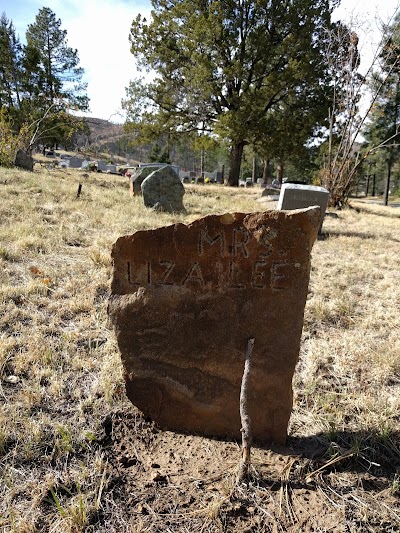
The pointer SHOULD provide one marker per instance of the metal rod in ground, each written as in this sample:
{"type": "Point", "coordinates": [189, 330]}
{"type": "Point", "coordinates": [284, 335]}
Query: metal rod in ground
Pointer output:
{"type": "Point", "coordinates": [244, 464]}
{"type": "Point", "coordinates": [79, 190]}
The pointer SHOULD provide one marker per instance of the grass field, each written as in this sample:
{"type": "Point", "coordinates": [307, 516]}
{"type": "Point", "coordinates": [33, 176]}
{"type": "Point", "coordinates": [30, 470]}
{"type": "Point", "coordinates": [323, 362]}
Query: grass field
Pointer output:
{"type": "Point", "coordinates": [75, 455]}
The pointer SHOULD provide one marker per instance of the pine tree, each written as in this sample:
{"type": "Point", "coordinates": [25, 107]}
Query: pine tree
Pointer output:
{"type": "Point", "coordinates": [11, 70]}
{"type": "Point", "coordinates": [225, 66]}
{"type": "Point", "coordinates": [53, 80]}
{"type": "Point", "coordinates": [40, 83]}
{"type": "Point", "coordinates": [58, 74]}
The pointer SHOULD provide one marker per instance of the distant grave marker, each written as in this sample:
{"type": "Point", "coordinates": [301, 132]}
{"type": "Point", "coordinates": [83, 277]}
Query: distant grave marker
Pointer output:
{"type": "Point", "coordinates": [296, 196]}
{"type": "Point", "coordinates": [76, 162]}
{"type": "Point", "coordinates": [163, 190]}
{"type": "Point", "coordinates": [186, 299]}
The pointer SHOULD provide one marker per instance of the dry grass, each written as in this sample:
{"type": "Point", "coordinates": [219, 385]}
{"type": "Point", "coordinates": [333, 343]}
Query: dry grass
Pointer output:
{"type": "Point", "coordinates": [75, 455]}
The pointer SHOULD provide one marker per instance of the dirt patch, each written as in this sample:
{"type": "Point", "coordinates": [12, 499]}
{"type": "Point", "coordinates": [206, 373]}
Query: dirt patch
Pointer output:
{"type": "Point", "coordinates": [164, 481]}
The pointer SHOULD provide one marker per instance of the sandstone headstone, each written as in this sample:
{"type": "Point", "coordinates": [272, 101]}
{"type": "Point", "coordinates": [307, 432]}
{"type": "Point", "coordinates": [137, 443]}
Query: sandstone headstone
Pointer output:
{"type": "Point", "coordinates": [295, 196]}
{"type": "Point", "coordinates": [163, 190]}
{"type": "Point", "coordinates": [24, 161]}
{"type": "Point", "coordinates": [186, 299]}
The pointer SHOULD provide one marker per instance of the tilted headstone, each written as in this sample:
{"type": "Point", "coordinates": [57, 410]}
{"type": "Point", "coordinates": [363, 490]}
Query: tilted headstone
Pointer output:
{"type": "Point", "coordinates": [163, 190]}
{"type": "Point", "coordinates": [186, 299]}
{"type": "Point", "coordinates": [294, 196]}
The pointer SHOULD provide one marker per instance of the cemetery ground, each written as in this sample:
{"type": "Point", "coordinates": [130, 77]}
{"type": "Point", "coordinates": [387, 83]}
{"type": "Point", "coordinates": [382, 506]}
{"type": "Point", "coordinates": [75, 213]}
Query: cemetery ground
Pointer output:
{"type": "Point", "coordinates": [75, 455]}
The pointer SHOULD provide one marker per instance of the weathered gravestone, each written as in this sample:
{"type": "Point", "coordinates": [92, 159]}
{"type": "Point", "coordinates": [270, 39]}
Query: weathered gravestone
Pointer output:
{"type": "Point", "coordinates": [163, 190]}
{"type": "Point", "coordinates": [295, 196]}
{"type": "Point", "coordinates": [76, 162]}
{"type": "Point", "coordinates": [111, 168]}
{"type": "Point", "coordinates": [24, 160]}
{"type": "Point", "coordinates": [186, 299]}
{"type": "Point", "coordinates": [102, 165]}
{"type": "Point", "coordinates": [138, 178]}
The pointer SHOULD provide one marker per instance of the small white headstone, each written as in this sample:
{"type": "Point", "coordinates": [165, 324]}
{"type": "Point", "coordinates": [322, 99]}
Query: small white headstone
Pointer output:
{"type": "Point", "coordinates": [295, 196]}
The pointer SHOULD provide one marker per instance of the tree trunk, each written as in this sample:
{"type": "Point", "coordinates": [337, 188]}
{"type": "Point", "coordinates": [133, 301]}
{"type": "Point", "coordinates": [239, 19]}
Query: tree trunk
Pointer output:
{"type": "Point", "coordinates": [254, 172]}
{"type": "Point", "coordinates": [266, 171]}
{"type": "Point", "coordinates": [387, 184]}
{"type": "Point", "coordinates": [235, 162]}
{"type": "Point", "coordinates": [202, 162]}
{"type": "Point", "coordinates": [279, 172]}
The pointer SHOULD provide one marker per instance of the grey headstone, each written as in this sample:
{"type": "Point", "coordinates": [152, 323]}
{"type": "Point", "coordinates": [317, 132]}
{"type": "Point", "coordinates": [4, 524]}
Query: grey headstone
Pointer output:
{"type": "Point", "coordinates": [23, 160]}
{"type": "Point", "coordinates": [102, 165]}
{"type": "Point", "coordinates": [294, 196]}
{"type": "Point", "coordinates": [111, 168]}
{"type": "Point", "coordinates": [75, 162]}
{"type": "Point", "coordinates": [139, 176]}
{"type": "Point", "coordinates": [163, 190]}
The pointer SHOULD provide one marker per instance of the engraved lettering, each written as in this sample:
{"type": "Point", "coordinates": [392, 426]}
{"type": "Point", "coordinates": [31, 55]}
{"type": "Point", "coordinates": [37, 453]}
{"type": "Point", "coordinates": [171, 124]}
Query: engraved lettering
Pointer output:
{"type": "Point", "coordinates": [194, 275]}
{"type": "Point", "coordinates": [257, 277]}
{"type": "Point", "coordinates": [280, 276]}
{"type": "Point", "coordinates": [129, 273]}
{"type": "Point", "coordinates": [240, 242]}
{"type": "Point", "coordinates": [266, 235]}
{"type": "Point", "coordinates": [204, 237]}
{"type": "Point", "coordinates": [149, 273]}
{"type": "Point", "coordinates": [233, 275]}
{"type": "Point", "coordinates": [139, 275]}
{"type": "Point", "coordinates": [169, 267]}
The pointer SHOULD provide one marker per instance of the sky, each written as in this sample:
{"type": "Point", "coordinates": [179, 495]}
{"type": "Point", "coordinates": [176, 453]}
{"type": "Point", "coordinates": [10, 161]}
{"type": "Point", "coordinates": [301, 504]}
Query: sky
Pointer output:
{"type": "Point", "coordinates": [99, 30]}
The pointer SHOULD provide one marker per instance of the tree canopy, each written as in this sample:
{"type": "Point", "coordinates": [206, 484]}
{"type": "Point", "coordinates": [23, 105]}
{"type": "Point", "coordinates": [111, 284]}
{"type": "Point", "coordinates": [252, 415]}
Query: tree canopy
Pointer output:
{"type": "Point", "coordinates": [235, 68]}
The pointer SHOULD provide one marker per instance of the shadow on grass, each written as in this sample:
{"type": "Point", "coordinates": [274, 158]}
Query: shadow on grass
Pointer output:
{"type": "Point", "coordinates": [375, 453]}
{"type": "Point", "coordinates": [359, 235]}
{"type": "Point", "coordinates": [325, 235]}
